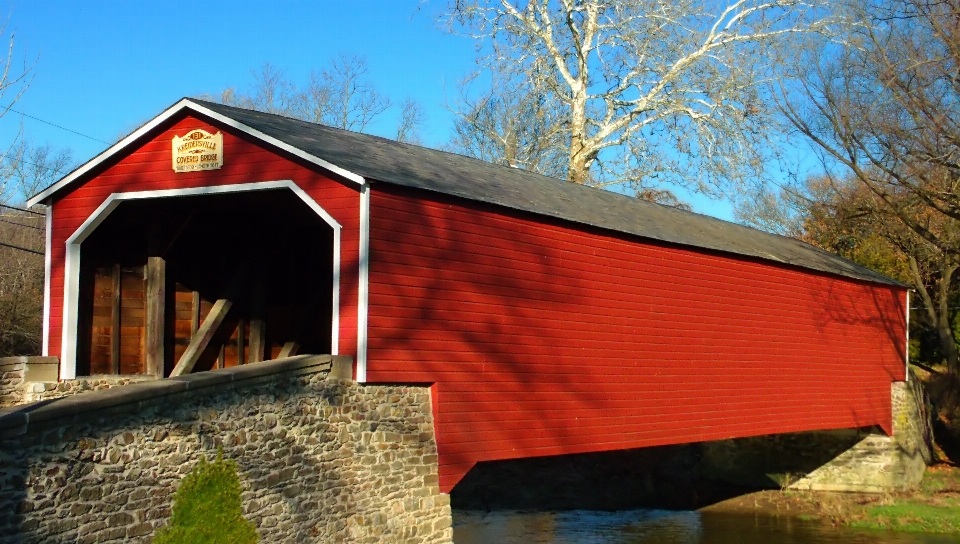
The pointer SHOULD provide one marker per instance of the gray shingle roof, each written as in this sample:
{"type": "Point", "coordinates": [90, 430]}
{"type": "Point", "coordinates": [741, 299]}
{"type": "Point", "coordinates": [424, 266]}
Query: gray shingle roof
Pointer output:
{"type": "Point", "coordinates": [382, 160]}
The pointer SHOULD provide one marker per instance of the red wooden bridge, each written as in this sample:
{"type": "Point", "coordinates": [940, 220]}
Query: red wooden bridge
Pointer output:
{"type": "Point", "coordinates": [550, 318]}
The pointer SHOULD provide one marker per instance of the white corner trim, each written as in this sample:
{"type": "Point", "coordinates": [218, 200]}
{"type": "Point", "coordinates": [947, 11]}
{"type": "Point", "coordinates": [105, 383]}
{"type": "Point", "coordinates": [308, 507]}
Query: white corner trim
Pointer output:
{"type": "Point", "coordinates": [71, 295]}
{"type": "Point", "coordinates": [47, 265]}
{"type": "Point", "coordinates": [187, 104]}
{"type": "Point", "coordinates": [906, 349]}
{"type": "Point", "coordinates": [363, 309]}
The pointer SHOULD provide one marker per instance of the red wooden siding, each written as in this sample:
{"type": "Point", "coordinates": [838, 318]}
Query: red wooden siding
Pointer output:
{"type": "Point", "coordinates": [148, 168]}
{"type": "Point", "coordinates": [546, 338]}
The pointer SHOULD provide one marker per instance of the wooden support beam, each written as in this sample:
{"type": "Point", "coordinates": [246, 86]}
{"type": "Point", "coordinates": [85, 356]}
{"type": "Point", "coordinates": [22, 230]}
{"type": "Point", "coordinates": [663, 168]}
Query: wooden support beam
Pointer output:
{"type": "Point", "coordinates": [258, 331]}
{"type": "Point", "coordinates": [156, 287]}
{"type": "Point", "coordinates": [115, 322]}
{"type": "Point", "coordinates": [194, 312]}
{"type": "Point", "coordinates": [241, 325]}
{"type": "Point", "coordinates": [288, 350]}
{"type": "Point", "coordinates": [201, 340]}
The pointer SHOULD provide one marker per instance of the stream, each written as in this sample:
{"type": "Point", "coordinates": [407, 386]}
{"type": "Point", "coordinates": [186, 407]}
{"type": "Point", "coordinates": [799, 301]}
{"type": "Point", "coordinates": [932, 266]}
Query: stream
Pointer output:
{"type": "Point", "coordinates": [663, 527]}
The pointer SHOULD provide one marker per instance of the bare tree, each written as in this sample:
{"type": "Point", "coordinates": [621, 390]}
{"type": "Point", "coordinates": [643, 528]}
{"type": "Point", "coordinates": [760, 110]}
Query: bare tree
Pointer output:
{"type": "Point", "coordinates": [512, 126]}
{"type": "Point", "coordinates": [21, 231]}
{"type": "Point", "coordinates": [887, 110]}
{"type": "Point", "coordinates": [27, 169]}
{"type": "Point", "coordinates": [353, 100]}
{"type": "Point", "coordinates": [652, 92]}
{"type": "Point", "coordinates": [341, 95]}
{"type": "Point", "coordinates": [13, 83]}
{"type": "Point", "coordinates": [21, 282]}
{"type": "Point", "coordinates": [272, 93]}
{"type": "Point", "coordinates": [412, 118]}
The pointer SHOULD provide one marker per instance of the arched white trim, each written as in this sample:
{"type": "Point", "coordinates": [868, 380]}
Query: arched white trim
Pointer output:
{"type": "Point", "coordinates": [71, 294]}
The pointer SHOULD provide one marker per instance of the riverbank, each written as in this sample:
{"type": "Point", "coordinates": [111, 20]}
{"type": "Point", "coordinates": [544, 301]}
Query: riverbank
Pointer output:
{"type": "Point", "coordinates": [934, 507]}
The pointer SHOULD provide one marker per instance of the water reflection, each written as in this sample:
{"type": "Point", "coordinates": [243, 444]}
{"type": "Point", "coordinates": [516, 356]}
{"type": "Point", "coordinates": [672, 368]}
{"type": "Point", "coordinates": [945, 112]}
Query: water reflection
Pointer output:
{"type": "Point", "coordinates": [661, 527]}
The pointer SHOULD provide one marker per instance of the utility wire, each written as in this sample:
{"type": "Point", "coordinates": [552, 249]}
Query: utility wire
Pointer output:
{"type": "Point", "coordinates": [21, 248]}
{"type": "Point", "coordinates": [22, 225]}
{"type": "Point", "coordinates": [21, 209]}
{"type": "Point", "coordinates": [55, 125]}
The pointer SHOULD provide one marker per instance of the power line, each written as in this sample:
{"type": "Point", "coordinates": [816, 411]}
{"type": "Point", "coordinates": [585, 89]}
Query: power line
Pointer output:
{"type": "Point", "coordinates": [22, 225]}
{"type": "Point", "coordinates": [21, 209]}
{"type": "Point", "coordinates": [21, 248]}
{"type": "Point", "coordinates": [55, 125]}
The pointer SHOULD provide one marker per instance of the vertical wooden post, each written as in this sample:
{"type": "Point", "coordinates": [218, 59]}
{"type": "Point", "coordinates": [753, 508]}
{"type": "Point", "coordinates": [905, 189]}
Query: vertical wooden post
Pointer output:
{"type": "Point", "coordinates": [115, 322]}
{"type": "Point", "coordinates": [241, 325]}
{"type": "Point", "coordinates": [258, 330]}
{"type": "Point", "coordinates": [194, 313]}
{"type": "Point", "coordinates": [155, 323]}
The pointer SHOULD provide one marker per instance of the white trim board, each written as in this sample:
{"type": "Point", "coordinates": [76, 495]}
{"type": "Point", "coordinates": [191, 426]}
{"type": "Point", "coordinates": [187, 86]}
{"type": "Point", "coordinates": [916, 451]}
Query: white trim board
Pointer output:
{"type": "Point", "coordinates": [71, 294]}
{"type": "Point", "coordinates": [906, 357]}
{"type": "Point", "coordinates": [187, 104]}
{"type": "Point", "coordinates": [363, 301]}
{"type": "Point", "coordinates": [47, 267]}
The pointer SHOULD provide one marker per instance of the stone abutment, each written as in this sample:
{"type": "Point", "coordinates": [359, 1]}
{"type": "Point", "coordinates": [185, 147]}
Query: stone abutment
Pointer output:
{"type": "Point", "coordinates": [320, 457]}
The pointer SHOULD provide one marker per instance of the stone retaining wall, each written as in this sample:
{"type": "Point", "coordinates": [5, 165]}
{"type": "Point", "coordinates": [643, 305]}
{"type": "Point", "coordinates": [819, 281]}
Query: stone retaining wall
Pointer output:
{"type": "Point", "coordinates": [32, 379]}
{"type": "Point", "coordinates": [321, 458]}
{"type": "Point", "coordinates": [37, 391]}
{"type": "Point", "coordinates": [16, 373]}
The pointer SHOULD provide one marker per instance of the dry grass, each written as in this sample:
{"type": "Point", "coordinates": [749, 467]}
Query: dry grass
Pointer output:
{"type": "Point", "coordinates": [21, 284]}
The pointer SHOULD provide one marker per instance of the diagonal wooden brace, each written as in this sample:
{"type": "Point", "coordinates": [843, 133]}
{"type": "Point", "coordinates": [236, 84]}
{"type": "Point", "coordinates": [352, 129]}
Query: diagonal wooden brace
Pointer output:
{"type": "Point", "coordinates": [201, 339]}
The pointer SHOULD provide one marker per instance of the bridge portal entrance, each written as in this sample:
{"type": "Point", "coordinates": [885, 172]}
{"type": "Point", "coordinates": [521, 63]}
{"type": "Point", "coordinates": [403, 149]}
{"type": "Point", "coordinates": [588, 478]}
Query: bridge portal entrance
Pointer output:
{"type": "Point", "coordinates": [220, 279]}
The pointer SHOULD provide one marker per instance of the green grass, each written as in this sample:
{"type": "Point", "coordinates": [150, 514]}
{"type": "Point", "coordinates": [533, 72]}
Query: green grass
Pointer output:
{"type": "Point", "coordinates": [913, 516]}
{"type": "Point", "coordinates": [207, 508]}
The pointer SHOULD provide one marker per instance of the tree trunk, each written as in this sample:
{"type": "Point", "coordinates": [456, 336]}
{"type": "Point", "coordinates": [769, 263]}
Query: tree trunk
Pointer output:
{"type": "Point", "coordinates": [949, 347]}
{"type": "Point", "coordinates": [944, 328]}
{"type": "Point", "coordinates": [938, 311]}
{"type": "Point", "coordinates": [578, 168]}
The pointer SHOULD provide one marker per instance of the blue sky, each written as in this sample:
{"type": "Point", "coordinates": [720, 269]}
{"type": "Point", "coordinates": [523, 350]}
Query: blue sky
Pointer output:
{"type": "Point", "coordinates": [104, 67]}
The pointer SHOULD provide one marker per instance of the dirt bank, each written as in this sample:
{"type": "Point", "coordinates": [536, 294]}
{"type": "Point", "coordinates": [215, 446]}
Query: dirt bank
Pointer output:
{"type": "Point", "coordinates": [934, 507]}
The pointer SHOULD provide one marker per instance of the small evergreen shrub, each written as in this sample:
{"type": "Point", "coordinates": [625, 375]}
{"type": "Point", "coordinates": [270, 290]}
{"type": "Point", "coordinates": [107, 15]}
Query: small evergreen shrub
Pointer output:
{"type": "Point", "coordinates": [207, 508]}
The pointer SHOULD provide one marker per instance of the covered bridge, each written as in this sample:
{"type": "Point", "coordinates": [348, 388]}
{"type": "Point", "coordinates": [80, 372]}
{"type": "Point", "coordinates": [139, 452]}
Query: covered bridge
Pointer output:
{"type": "Point", "coordinates": [550, 318]}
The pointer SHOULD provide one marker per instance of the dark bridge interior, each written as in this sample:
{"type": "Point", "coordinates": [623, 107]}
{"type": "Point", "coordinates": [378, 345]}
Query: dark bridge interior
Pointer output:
{"type": "Point", "coordinates": [152, 272]}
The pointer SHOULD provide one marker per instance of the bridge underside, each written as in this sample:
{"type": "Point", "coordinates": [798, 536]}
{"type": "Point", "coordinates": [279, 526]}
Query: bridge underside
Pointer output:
{"type": "Point", "coordinates": [694, 475]}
